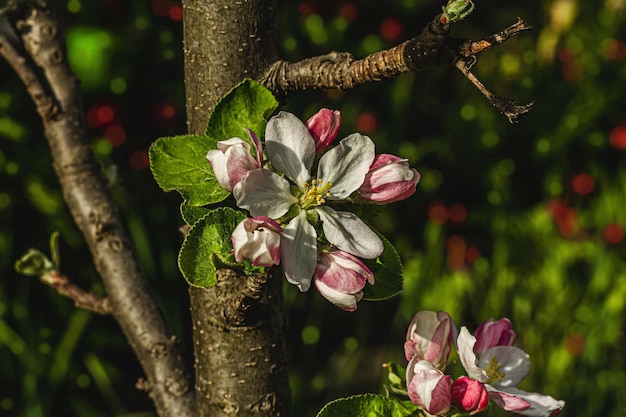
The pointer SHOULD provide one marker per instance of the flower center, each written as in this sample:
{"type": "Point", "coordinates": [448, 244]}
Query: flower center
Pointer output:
{"type": "Point", "coordinates": [314, 193]}
{"type": "Point", "coordinates": [494, 372]}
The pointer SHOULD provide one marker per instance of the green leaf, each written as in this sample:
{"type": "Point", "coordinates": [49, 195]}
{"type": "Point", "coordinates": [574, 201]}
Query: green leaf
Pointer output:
{"type": "Point", "coordinates": [191, 214]}
{"type": "Point", "coordinates": [369, 405]}
{"type": "Point", "coordinates": [208, 242]}
{"type": "Point", "coordinates": [248, 105]}
{"type": "Point", "coordinates": [34, 263]}
{"type": "Point", "coordinates": [179, 163]}
{"type": "Point", "coordinates": [387, 271]}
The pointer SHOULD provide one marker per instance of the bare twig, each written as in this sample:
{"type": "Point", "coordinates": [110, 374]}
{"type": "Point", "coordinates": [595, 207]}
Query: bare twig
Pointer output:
{"type": "Point", "coordinates": [30, 41]}
{"type": "Point", "coordinates": [513, 111]}
{"type": "Point", "coordinates": [83, 299]}
{"type": "Point", "coordinates": [339, 70]}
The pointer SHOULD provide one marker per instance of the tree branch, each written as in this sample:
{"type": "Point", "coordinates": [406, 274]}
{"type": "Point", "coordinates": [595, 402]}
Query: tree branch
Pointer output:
{"type": "Point", "coordinates": [83, 299]}
{"type": "Point", "coordinates": [30, 41]}
{"type": "Point", "coordinates": [339, 70]}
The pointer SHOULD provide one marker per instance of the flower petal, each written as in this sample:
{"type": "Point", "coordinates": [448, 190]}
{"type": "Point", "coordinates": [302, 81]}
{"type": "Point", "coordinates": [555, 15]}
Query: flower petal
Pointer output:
{"type": "Point", "coordinates": [465, 343]}
{"type": "Point", "coordinates": [290, 147]}
{"type": "Point", "coordinates": [514, 364]}
{"type": "Point", "coordinates": [494, 333]}
{"type": "Point", "coordinates": [264, 193]}
{"type": "Point", "coordinates": [345, 165]}
{"type": "Point", "coordinates": [345, 301]}
{"type": "Point", "coordinates": [324, 127]}
{"type": "Point", "coordinates": [540, 405]}
{"type": "Point", "coordinates": [298, 248]}
{"type": "Point", "coordinates": [506, 401]}
{"type": "Point", "coordinates": [349, 233]}
{"type": "Point", "coordinates": [429, 388]}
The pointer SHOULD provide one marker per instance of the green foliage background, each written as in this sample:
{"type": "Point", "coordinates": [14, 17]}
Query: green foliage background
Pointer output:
{"type": "Point", "coordinates": [524, 221]}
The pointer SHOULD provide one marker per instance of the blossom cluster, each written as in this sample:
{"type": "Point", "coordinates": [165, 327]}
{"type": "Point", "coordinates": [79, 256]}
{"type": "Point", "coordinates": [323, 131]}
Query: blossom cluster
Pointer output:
{"type": "Point", "coordinates": [295, 217]}
{"type": "Point", "coordinates": [494, 368]}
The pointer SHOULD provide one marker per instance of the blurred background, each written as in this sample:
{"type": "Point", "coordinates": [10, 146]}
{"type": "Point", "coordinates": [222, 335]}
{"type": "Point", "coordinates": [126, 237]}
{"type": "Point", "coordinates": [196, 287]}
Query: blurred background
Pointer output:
{"type": "Point", "coordinates": [523, 221]}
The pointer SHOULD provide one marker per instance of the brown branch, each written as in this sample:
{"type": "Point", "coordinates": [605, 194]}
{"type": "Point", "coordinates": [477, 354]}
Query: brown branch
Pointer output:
{"type": "Point", "coordinates": [513, 111]}
{"type": "Point", "coordinates": [339, 70]}
{"type": "Point", "coordinates": [83, 299]}
{"type": "Point", "coordinates": [30, 41]}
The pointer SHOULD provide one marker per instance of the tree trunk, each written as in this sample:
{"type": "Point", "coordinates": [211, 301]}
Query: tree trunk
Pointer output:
{"type": "Point", "coordinates": [238, 324]}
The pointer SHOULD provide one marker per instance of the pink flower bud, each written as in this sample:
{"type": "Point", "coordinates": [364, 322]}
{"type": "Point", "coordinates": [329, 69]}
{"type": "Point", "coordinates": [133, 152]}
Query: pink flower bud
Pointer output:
{"type": "Point", "coordinates": [389, 179]}
{"type": "Point", "coordinates": [470, 395]}
{"type": "Point", "coordinates": [257, 239]}
{"type": "Point", "coordinates": [490, 334]}
{"type": "Point", "coordinates": [324, 127]}
{"type": "Point", "coordinates": [340, 278]}
{"type": "Point", "coordinates": [429, 337]}
{"type": "Point", "coordinates": [232, 160]}
{"type": "Point", "coordinates": [428, 387]}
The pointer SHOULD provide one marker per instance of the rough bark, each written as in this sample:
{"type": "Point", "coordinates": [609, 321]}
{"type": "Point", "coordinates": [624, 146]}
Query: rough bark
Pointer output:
{"type": "Point", "coordinates": [239, 344]}
{"type": "Point", "coordinates": [30, 41]}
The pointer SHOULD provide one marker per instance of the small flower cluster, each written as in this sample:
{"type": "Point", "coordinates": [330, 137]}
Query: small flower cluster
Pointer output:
{"type": "Point", "coordinates": [494, 367]}
{"type": "Point", "coordinates": [294, 217]}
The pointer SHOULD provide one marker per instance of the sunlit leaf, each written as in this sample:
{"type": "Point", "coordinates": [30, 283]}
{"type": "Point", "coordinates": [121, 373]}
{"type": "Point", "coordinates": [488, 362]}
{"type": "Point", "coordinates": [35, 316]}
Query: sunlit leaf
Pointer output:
{"type": "Point", "coordinates": [207, 243]}
{"type": "Point", "coordinates": [248, 105]}
{"type": "Point", "coordinates": [179, 163]}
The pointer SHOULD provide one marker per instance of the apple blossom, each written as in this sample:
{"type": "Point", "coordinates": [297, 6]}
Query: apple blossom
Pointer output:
{"type": "Point", "coordinates": [501, 368]}
{"type": "Point", "coordinates": [469, 395]}
{"type": "Point", "coordinates": [232, 160]}
{"type": "Point", "coordinates": [430, 336]}
{"type": "Point", "coordinates": [324, 127]}
{"type": "Point", "coordinates": [340, 278]}
{"type": "Point", "coordinates": [388, 180]}
{"type": "Point", "coordinates": [490, 334]}
{"type": "Point", "coordinates": [302, 199]}
{"type": "Point", "coordinates": [257, 239]}
{"type": "Point", "coordinates": [428, 387]}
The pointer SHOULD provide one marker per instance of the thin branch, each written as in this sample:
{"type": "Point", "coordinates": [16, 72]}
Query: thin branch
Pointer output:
{"type": "Point", "coordinates": [513, 111]}
{"type": "Point", "coordinates": [339, 70]}
{"type": "Point", "coordinates": [30, 41]}
{"type": "Point", "coordinates": [83, 299]}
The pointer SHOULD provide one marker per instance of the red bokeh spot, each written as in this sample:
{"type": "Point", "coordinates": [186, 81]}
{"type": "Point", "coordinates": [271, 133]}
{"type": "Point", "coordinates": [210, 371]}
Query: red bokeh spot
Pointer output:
{"type": "Point", "coordinates": [366, 122]}
{"type": "Point", "coordinates": [457, 213]}
{"type": "Point", "coordinates": [583, 184]}
{"type": "Point", "coordinates": [105, 114]}
{"type": "Point", "coordinates": [565, 55]}
{"type": "Point", "coordinates": [615, 50]}
{"type": "Point", "coordinates": [99, 116]}
{"type": "Point", "coordinates": [565, 217]}
{"type": "Point", "coordinates": [168, 111]}
{"type": "Point", "coordinates": [349, 11]}
{"type": "Point", "coordinates": [139, 160]}
{"type": "Point", "coordinates": [472, 254]}
{"type": "Point", "coordinates": [115, 135]}
{"type": "Point", "coordinates": [575, 344]}
{"type": "Point", "coordinates": [617, 137]}
{"type": "Point", "coordinates": [613, 233]}
{"type": "Point", "coordinates": [391, 29]}
{"type": "Point", "coordinates": [175, 13]}
{"type": "Point", "coordinates": [305, 8]}
{"type": "Point", "coordinates": [438, 214]}
{"type": "Point", "coordinates": [456, 252]}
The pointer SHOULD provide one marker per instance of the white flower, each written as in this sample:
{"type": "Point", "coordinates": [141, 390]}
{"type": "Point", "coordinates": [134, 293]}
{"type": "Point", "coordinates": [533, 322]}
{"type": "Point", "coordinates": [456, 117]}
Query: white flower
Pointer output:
{"type": "Point", "coordinates": [340, 172]}
{"type": "Point", "coordinates": [232, 160]}
{"type": "Point", "coordinates": [501, 368]}
{"type": "Point", "coordinates": [257, 239]}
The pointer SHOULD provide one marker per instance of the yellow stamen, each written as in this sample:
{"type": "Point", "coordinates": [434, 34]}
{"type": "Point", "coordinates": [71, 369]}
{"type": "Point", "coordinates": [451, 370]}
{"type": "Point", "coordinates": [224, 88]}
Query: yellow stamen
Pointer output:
{"type": "Point", "coordinates": [315, 193]}
{"type": "Point", "coordinates": [494, 372]}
